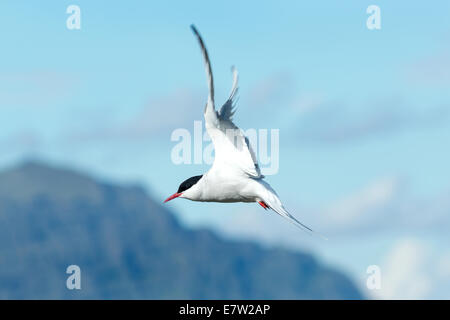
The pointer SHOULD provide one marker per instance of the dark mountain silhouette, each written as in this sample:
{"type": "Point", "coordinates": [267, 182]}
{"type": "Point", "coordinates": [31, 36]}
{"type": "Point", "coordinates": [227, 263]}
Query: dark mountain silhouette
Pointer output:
{"type": "Point", "coordinates": [128, 246]}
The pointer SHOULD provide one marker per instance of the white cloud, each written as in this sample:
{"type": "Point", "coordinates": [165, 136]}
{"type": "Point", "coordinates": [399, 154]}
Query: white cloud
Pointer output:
{"type": "Point", "coordinates": [358, 208]}
{"type": "Point", "coordinates": [444, 266]}
{"type": "Point", "coordinates": [156, 119]}
{"type": "Point", "coordinates": [23, 140]}
{"type": "Point", "coordinates": [273, 89]}
{"type": "Point", "coordinates": [405, 274]}
{"type": "Point", "coordinates": [332, 122]}
{"type": "Point", "coordinates": [414, 269]}
{"type": "Point", "coordinates": [307, 102]}
{"type": "Point", "coordinates": [385, 205]}
{"type": "Point", "coordinates": [35, 88]}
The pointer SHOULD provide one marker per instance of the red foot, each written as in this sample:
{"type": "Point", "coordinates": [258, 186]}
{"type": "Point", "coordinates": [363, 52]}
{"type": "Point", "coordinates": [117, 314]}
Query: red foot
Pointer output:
{"type": "Point", "coordinates": [263, 204]}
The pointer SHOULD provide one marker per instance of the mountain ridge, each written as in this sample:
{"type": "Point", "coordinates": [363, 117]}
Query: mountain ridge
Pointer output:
{"type": "Point", "coordinates": [129, 246]}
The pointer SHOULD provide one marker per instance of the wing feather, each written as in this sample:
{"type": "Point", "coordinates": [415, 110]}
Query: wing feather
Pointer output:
{"type": "Point", "coordinates": [228, 109]}
{"type": "Point", "coordinates": [210, 111]}
{"type": "Point", "coordinates": [232, 148]}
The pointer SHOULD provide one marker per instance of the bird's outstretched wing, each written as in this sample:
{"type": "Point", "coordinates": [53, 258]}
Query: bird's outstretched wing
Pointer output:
{"type": "Point", "coordinates": [232, 148]}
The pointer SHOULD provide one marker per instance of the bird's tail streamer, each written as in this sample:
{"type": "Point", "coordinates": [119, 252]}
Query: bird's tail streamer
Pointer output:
{"type": "Point", "coordinates": [275, 204]}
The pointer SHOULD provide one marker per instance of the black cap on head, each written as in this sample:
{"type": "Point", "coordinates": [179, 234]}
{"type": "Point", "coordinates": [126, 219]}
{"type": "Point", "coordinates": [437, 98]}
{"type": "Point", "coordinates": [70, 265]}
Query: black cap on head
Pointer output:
{"type": "Point", "coordinates": [188, 183]}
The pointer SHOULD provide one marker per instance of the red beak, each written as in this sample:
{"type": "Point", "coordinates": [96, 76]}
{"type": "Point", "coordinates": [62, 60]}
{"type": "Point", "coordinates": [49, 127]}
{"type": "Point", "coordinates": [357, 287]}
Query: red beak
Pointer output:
{"type": "Point", "coordinates": [175, 195]}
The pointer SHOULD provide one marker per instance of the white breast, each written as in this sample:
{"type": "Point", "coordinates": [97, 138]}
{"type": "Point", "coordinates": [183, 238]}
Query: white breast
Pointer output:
{"type": "Point", "coordinates": [219, 185]}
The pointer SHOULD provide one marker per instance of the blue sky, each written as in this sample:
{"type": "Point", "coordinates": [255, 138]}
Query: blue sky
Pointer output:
{"type": "Point", "coordinates": [363, 115]}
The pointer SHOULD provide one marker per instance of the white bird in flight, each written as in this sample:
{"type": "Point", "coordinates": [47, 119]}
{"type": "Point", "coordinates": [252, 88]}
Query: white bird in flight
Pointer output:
{"type": "Point", "coordinates": [235, 175]}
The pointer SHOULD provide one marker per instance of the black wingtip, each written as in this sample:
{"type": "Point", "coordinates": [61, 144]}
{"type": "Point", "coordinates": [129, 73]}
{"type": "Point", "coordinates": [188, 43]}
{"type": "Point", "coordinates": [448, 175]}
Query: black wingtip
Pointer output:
{"type": "Point", "coordinates": [194, 29]}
